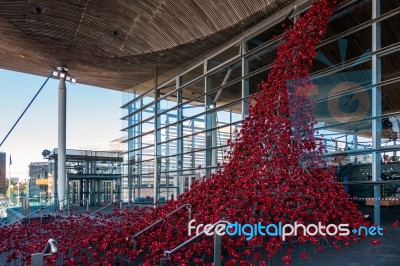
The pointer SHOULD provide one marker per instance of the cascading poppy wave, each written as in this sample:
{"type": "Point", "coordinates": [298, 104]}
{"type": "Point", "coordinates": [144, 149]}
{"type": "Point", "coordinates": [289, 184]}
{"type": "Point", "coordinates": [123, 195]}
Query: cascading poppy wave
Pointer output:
{"type": "Point", "coordinates": [267, 178]}
{"type": "Point", "coordinates": [274, 174]}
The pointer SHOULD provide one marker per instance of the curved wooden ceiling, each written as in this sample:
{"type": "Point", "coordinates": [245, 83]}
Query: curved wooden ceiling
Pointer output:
{"type": "Point", "coordinates": [118, 43]}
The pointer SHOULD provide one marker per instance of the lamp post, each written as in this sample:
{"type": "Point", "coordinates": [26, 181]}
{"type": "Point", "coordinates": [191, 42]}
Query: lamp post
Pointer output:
{"type": "Point", "coordinates": [62, 74]}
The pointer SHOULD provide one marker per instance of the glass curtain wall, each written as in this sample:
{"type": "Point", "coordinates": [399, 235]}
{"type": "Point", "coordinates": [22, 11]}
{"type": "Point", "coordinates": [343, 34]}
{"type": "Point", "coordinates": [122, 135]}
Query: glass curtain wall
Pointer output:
{"type": "Point", "coordinates": [177, 131]}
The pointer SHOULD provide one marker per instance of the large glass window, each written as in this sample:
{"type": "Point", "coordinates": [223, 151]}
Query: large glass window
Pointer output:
{"type": "Point", "coordinates": [349, 108]}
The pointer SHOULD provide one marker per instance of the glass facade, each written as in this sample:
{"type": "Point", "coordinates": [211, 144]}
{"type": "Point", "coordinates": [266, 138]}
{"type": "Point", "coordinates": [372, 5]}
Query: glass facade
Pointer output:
{"type": "Point", "coordinates": [41, 185]}
{"type": "Point", "coordinates": [92, 176]}
{"type": "Point", "coordinates": [177, 131]}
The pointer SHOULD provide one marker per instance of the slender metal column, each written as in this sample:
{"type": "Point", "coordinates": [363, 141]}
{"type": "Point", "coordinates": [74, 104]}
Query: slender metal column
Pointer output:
{"type": "Point", "coordinates": [214, 117]}
{"type": "Point", "coordinates": [193, 164]}
{"type": "Point", "coordinates": [214, 141]}
{"type": "Point", "coordinates": [131, 162]}
{"type": "Point", "coordinates": [179, 135]}
{"type": "Point", "coordinates": [139, 147]}
{"type": "Point", "coordinates": [376, 110]}
{"type": "Point", "coordinates": [61, 152]}
{"type": "Point", "coordinates": [208, 106]}
{"type": "Point", "coordinates": [87, 191]}
{"type": "Point", "coordinates": [157, 140]}
{"type": "Point", "coordinates": [119, 186]}
{"type": "Point", "coordinates": [217, 250]}
{"type": "Point", "coordinates": [167, 160]}
{"type": "Point", "coordinates": [93, 192]}
{"type": "Point", "coordinates": [355, 140]}
{"type": "Point", "coordinates": [245, 82]}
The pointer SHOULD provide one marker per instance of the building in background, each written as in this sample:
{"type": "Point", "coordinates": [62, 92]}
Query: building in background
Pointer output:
{"type": "Point", "coordinates": [118, 146]}
{"type": "Point", "coordinates": [115, 145]}
{"type": "Point", "coordinates": [91, 175]}
{"type": "Point", "coordinates": [41, 183]}
{"type": "Point", "coordinates": [3, 171]}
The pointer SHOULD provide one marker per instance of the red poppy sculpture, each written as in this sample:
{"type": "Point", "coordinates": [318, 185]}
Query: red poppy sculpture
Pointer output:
{"type": "Point", "coordinates": [274, 174]}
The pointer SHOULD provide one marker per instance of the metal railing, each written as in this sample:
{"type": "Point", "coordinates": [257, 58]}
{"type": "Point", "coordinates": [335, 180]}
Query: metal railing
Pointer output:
{"type": "Point", "coordinates": [105, 207]}
{"type": "Point", "coordinates": [77, 204]}
{"type": "Point", "coordinates": [15, 214]}
{"type": "Point", "coordinates": [23, 210]}
{"type": "Point", "coordinates": [42, 210]}
{"type": "Point", "coordinates": [37, 259]}
{"type": "Point", "coordinates": [25, 217]}
{"type": "Point", "coordinates": [217, 245]}
{"type": "Point", "coordinates": [188, 207]}
{"type": "Point", "coordinates": [55, 204]}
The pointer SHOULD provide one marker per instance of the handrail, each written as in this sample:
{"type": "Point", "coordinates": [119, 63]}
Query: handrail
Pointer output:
{"type": "Point", "coordinates": [188, 206]}
{"type": "Point", "coordinates": [28, 208]}
{"type": "Point", "coordinates": [105, 207]}
{"type": "Point", "coordinates": [37, 211]}
{"type": "Point", "coordinates": [217, 245]}
{"type": "Point", "coordinates": [66, 199]}
{"type": "Point", "coordinates": [50, 249]}
{"type": "Point", "coordinates": [55, 204]}
{"type": "Point", "coordinates": [168, 253]}
{"type": "Point", "coordinates": [75, 204]}
{"type": "Point", "coordinates": [16, 213]}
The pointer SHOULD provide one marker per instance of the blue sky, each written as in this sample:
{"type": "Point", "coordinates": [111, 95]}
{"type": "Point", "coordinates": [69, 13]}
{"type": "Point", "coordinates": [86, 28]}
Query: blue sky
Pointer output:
{"type": "Point", "coordinates": [93, 116]}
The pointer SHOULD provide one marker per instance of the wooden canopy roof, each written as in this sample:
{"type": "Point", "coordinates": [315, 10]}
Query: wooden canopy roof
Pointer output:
{"type": "Point", "coordinates": [117, 44]}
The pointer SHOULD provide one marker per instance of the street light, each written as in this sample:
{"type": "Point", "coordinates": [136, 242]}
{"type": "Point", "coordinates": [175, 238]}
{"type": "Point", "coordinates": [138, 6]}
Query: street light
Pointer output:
{"type": "Point", "coordinates": [62, 72]}
{"type": "Point", "coordinates": [46, 153]}
{"type": "Point", "coordinates": [63, 75]}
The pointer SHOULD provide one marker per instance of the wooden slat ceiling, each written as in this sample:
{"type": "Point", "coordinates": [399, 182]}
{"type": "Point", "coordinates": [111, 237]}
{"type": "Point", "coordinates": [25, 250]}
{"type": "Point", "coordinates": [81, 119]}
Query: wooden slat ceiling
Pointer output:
{"type": "Point", "coordinates": [117, 44]}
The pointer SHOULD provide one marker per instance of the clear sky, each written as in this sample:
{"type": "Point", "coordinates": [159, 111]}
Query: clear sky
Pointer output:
{"type": "Point", "coordinates": [93, 116]}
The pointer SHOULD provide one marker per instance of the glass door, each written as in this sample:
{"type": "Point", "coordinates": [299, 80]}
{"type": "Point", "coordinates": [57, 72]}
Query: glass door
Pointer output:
{"type": "Point", "coordinates": [74, 191]}
{"type": "Point", "coordinates": [106, 191]}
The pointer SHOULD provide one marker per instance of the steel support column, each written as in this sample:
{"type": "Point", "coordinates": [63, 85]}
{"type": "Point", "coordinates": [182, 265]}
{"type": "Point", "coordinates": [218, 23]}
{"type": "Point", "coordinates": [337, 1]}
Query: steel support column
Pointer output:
{"type": "Point", "coordinates": [193, 164]}
{"type": "Point", "coordinates": [214, 141]}
{"type": "Point", "coordinates": [355, 140]}
{"type": "Point", "coordinates": [131, 146]}
{"type": "Point", "coordinates": [157, 140]}
{"type": "Point", "coordinates": [167, 159]}
{"type": "Point", "coordinates": [214, 118]}
{"type": "Point", "coordinates": [61, 151]}
{"type": "Point", "coordinates": [217, 250]}
{"type": "Point", "coordinates": [376, 110]}
{"type": "Point", "coordinates": [139, 147]}
{"type": "Point", "coordinates": [180, 137]}
{"type": "Point", "coordinates": [208, 106]}
{"type": "Point", "coordinates": [245, 81]}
